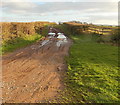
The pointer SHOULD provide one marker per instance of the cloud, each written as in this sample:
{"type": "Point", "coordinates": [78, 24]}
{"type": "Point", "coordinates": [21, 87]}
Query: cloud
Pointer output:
{"type": "Point", "coordinates": [30, 7]}
{"type": "Point", "coordinates": [58, 11]}
{"type": "Point", "coordinates": [17, 6]}
{"type": "Point", "coordinates": [75, 0]}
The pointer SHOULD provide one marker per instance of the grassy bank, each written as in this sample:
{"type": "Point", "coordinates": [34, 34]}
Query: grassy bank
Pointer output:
{"type": "Point", "coordinates": [11, 45]}
{"type": "Point", "coordinates": [92, 75]}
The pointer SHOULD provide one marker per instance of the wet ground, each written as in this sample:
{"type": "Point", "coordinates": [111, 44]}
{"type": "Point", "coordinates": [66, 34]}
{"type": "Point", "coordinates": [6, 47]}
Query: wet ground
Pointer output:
{"type": "Point", "coordinates": [34, 74]}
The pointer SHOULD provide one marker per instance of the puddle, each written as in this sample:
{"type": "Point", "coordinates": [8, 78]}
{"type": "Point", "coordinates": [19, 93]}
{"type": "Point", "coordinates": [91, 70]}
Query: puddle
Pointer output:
{"type": "Point", "coordinates": [60, 42]}
{"type": "Point", "coordinates": [44, 42]}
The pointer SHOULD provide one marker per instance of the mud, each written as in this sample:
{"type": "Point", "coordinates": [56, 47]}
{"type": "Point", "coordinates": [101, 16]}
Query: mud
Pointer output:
{"type": "Point", "coordinates": [34, 74]}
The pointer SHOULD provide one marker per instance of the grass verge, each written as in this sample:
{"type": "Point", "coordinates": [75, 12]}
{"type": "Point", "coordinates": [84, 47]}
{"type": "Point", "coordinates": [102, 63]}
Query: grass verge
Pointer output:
{"type": "Point", "coordinates": [92, 75]}
{"type": "Point", "coordinates": [11, 45]}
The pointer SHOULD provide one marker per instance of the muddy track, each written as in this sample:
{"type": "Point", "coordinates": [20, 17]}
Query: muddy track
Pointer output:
{"type": "Point", "coordinates": [34, 74]}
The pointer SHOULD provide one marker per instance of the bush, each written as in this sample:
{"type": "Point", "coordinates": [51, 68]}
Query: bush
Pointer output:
{"type": "Point", "coordinates": [116, 36]}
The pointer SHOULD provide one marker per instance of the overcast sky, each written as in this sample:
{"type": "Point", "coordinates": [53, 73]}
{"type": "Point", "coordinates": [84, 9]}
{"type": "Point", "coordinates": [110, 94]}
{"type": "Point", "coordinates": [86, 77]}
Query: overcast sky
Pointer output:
{"type": "Point", "coordinates": [61, 10]}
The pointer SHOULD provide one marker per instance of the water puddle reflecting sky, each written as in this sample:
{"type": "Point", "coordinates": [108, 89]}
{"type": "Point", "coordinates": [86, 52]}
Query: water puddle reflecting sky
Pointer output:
{"type": "Point", "coordinates": [61, 42]}
{"type": "Point", "coordinates": [44, 42]}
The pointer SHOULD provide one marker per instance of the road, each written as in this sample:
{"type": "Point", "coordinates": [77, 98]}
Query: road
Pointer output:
{"type": "Point", "coordinates": [35, 73]}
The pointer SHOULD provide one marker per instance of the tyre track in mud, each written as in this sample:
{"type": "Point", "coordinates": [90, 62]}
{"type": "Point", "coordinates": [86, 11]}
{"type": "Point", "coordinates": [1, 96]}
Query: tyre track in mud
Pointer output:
{"type": "Point", "coordinates": [31, 75]}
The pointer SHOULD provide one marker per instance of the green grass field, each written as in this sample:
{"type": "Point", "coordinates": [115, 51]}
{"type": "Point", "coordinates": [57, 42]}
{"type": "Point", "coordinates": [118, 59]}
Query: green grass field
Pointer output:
{"type": "Point", "coordinates": [92, 75]}
{"type": "Point", "coordinates": [11, 45]}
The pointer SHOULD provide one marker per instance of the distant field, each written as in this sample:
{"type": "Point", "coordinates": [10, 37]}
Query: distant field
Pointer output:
{"type": "Point", "coordinates": [92, 75]}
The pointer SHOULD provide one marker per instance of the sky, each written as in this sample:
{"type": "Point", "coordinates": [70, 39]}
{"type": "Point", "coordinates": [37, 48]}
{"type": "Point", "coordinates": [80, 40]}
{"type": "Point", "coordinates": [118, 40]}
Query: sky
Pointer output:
{"type": "Point", "coordinates": [91, 11]}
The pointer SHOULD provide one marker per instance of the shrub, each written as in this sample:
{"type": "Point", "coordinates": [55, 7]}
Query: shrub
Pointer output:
{"type": "Point", "coordinates": [116, 36]}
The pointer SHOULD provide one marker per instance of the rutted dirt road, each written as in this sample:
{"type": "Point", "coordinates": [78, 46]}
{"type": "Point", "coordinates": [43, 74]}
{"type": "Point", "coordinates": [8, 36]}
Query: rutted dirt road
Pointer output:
{"type": "Point", "coordinates": [35, 73]}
